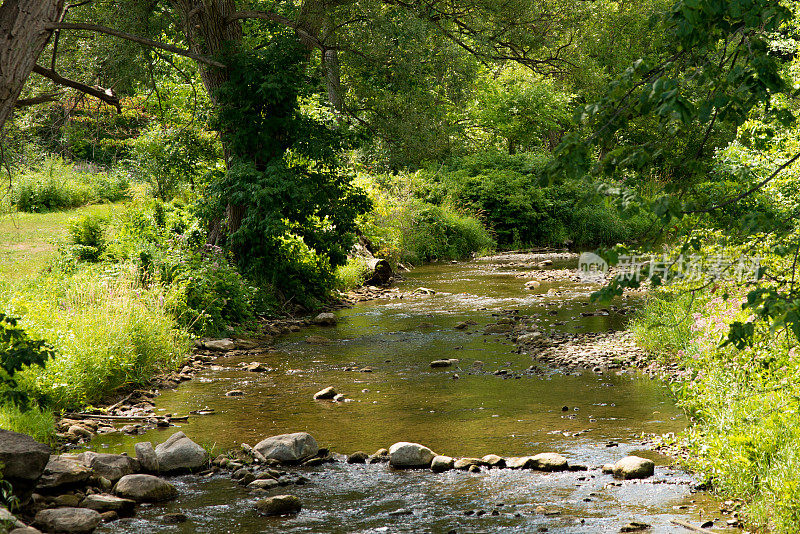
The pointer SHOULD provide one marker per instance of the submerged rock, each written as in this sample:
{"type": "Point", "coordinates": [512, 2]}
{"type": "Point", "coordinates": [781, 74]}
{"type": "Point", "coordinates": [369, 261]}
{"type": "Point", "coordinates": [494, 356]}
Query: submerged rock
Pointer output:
{"type": "Point", "coordinates": [359, 457]}
{"type": "Point", "coordinates": [325, 394]}
{"type": "Point", "coordinates": [67, 520]}
{"type": "Point", "coordinates": [179, 453]}
{"type": "Point", "coordinates": [634, 467]}
{"type": "Point", "coordinates": [145, 488]}
{"type": "Point", "coordinates": [288, 447]}
{"type": "Point", "coordinates": [407, 455]}
{"type": "Point", "coordinates": [317, 340]}
{"type": "Point", "coordinates": [498, 328]}
{"type": "Point", "coordinates": [279, 505]}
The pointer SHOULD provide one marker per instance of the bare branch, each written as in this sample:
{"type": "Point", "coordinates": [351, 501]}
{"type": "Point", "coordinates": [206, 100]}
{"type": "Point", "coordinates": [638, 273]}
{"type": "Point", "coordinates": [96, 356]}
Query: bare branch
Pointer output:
{"type": "Point", "coordinates": [106, 95]}
{"type": "Point", "coordinates": [41, 99]}
{"type": "Point", "coordinates": [135, 38]}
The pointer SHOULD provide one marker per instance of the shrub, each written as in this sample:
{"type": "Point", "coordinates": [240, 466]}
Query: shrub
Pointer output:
{"type": "Point", "coordinates": [39, 423]}
{"type": "Point", "coordinates": [352, 274]}
{"type": "Point", "coordinates": [57, 185]}
{"type": "Point", "coordinates": [87, 237]}
{"type": "Point", "coordinates": [108, 332]}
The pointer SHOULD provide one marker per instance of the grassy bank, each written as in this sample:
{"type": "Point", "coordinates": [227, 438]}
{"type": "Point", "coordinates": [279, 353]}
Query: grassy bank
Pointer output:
{"type": "Point", "coordinates": [744, 405]}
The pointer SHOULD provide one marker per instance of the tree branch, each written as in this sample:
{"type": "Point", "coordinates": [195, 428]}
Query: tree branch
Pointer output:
{"type": "Point", "coordinates": [135, 38]}
{"type": "Point", "coordinates": [106, 95]}
{"type": "Point", "coordinates": [311, 39]}
{"type": "Point", "coordinates": [41, 99]}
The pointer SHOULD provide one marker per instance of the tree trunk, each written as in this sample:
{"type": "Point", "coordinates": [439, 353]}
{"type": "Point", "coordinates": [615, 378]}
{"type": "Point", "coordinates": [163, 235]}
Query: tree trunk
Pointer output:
{"type": "Point", "coordinates": [208, 31]}
{"type": "Point", "coordinates": [23, 37]}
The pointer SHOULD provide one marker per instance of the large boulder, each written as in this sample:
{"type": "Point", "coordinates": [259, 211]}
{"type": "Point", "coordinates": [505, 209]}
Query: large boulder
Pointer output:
{"type": "Point", "coordinates": [111, 466]}
{"type": "Point", "coordinates": [22, 461]}
{"type": "Point", "coordinates": [103, 502]}
{"type": "Point", "coordinates": [549, 461]}
{"type": "Point", "coordinates": [288, 448]}
{"type": "Point", "coordinates": [146, 454]}
{"type": "Point", "coordinates": [279, 505]}
{"type": "Point", "coordinates": [404, 454]}
{"type": "Point", "coordinates": [634, 467]}
{"type": "Point", "coordinates": [63, 471]}
{"type": "Point", "coordinates": [67, 520]}
{"type": "Point", "coordinates": [179, 453]}
{"type": "Point", "coordinates": [219, 344]}
{"type": "Point", "coordinates": [145, 488]}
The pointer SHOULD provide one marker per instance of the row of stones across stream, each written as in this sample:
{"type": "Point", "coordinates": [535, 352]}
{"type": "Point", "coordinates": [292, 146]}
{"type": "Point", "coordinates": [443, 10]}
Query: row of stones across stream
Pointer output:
{"type": "Point", "coordinates": [74, 493]}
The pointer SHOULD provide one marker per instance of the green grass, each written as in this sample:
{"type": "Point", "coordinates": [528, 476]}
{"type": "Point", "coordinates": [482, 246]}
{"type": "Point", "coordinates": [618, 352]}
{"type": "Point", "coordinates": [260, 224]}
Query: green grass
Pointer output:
{"type": "Point", "coordinates": [744, 405]}
{"type": "Point", "coordinates": [29, 241]}
{"type": "Point", "coordinates": [39, 424]}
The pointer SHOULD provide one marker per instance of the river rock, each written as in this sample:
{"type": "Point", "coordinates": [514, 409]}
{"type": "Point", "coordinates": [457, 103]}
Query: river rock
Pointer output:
{"type": "Point", "coordinates": [103, 502]}
{"type": "Point", "coordinates": [443, 363]}
{"type": "Point", "coordinates": [67, 520]}
{"type": "Point", "coordinates": [63, 471]}
{"type": "Point", "coordinates": [549, 461]}
{"type": "Point", "coordinates": [325, 394]}
{"type": "Point", "coordinates": [257, 367]}
{"type": "Point", "coordinates": [145, 488]}
{"type": "Point", "coordinates": [279, 505]}
{"type": "Point", "coordinates": [466, 463]}
{"type": "Point", "coordinates": [359, 457]}
{"type": "Point", "coordinates": [317, 340]}
{"type": "Point", "coordinates": [263, 483]}
{"type": "Point", "coordinates": [146, 454]}
{"type": "Point", "coordinates": [179, 453]}
{"type": "Point", "coordinates": [70, 500]}
{"type": "Point", "coordinates": [404, 454]}
{"type": "Point", "coordinates": [635, 526]}
{"type": "Point", "coordinates": [325, 319]}
{"type": "Point", "coordinates": [219, 344]}
{"type": "Point", "coordinates": [533, 284]}
{"type": "Point", "coordinates": [634, 467]}
{"type": "Point", "coordinates": [461, 326]}
{"type": "Point", "coordinates": [22, 461]}
{"type": "Point", "coordinates": [519, 462]}
{"type": "Point", "coordinates": [288, 447]}
{"type": "Point", "coordinates": [492, 460]}
{"type": "Point", "coordinates": [607, 469]}
{"type": "Point", "coordinates": [7, 519]}
{"type": "Point", "coordinates": [111, 466]}
{"type": "Point", "coordinates": [174, 518]}
{"type": "Point", "coordinates": [25, 530]}
{"type": "Point", "coordinates": [498, 328]}
{"type": "Point", "coordinates": [441, 463]}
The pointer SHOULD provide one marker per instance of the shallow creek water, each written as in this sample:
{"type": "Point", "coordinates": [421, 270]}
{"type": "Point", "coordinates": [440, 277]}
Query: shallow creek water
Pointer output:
{"type": "Point", "coordinates": [403, 399]}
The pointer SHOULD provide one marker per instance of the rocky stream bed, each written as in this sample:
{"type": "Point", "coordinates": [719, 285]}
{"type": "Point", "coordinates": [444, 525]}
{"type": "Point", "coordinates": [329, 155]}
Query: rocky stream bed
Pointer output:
{"type": "Point", "coordinates": [468, 399]}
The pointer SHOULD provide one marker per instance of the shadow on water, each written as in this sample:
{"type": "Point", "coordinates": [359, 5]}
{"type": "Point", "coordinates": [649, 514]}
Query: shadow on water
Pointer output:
{"type": "Point", "coordinates": [403, 399]}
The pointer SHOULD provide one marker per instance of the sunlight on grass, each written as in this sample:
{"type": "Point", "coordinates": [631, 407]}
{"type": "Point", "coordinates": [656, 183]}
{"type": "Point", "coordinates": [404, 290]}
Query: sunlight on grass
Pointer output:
{"type": "Point", "coordinates": [29, 240]}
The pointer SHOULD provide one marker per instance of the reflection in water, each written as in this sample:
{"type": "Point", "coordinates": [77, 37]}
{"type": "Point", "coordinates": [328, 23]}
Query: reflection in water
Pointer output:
{"type": "Point", "coordinates": [403, 399]}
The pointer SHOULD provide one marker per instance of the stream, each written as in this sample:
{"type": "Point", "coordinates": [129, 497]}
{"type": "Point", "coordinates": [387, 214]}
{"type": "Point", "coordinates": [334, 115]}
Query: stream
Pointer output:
{"type": "Point", "coordinates": [588, 417]}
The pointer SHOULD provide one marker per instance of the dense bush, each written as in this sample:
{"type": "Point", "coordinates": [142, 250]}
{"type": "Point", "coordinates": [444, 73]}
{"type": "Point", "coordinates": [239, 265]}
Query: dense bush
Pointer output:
{"type": "Point", "coordinates": [404, 228]}
{"type": "Point", "coordinates": [57, 185]}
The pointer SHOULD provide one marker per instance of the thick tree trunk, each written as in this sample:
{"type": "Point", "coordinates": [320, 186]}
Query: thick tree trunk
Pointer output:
{"type": "Point", "coordinates": [23, 37]}
{"type": "Point", "coordinates": [208, 30]}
